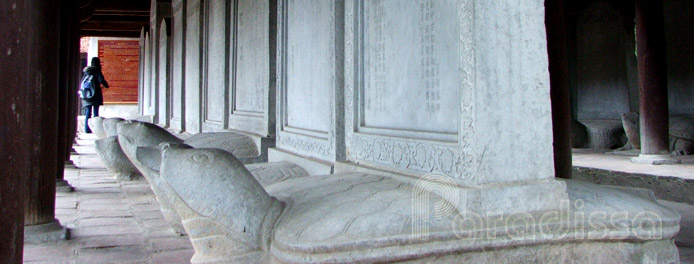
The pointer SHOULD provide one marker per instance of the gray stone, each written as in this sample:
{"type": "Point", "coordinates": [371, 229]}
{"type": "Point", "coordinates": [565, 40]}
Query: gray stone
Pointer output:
{"type": "Point", "coordinates": [682, 135]}
{"type": "Point", "coordinates": [110, 125]}
{"type": "Point", "coordinates": [681, 132]}
{"type": "Point", "coordinates": [274, 172]}
{"type": "Point", "coordinates": [97, 126]}
{"type": "Point", "coordinates": [192, 60]}
{"type": "Point", "coordinates": [241, 146]}
{"type": "Point", "coordinates": [133, 134]}
{"type": "Point", "coordinates": [361, 217]}
{"type": "Point", "coordinates": [63, 186]}
{"type": "Point", "coordinates": [50, 232]}
{"type": "Point", "coordinates": [604, 134]}
{"type": "Point", "coordinates": [630, 123]}
{"type": "Point", "coordinates": [115, 160]}
{"type": "Point", "coordinates": [578, 134]}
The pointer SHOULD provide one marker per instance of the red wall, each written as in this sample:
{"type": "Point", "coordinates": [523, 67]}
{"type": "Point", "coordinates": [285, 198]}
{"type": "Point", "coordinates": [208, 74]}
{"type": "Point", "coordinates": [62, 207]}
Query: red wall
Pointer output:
{"type": "Point", "coordinates": [119, 63]}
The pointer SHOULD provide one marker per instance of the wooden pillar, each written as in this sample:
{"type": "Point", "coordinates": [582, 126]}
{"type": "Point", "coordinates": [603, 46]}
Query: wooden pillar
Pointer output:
{"type": "Point", "coordinates": [39, 217]}
{"type": "Point", "coordinates": [653, 101]}
{"type": "Point", "coordinates": [559, 86]}
{"type": "Point", "coordinates": [63, 125]}
{"type": "Point", "coordinates": [75, 74]}
{"type": "Point", "coordinates": [64, 141]}
{"type": "Point", "coordinates": [44, 122]}
{"type": "Point", "coordinates": [15, 42]}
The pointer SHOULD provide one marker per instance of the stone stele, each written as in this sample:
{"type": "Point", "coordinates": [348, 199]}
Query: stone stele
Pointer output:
{"type": "Point", "coordinates": [364, 217]}
{"type": "Point", "coordinates": [116, 161]}
{"type": "Point", "coordinates": [96, 124]}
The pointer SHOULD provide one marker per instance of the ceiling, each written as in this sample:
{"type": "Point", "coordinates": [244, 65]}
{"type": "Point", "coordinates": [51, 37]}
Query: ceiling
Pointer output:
{"type": "Point", "coordinates": [113, 18]}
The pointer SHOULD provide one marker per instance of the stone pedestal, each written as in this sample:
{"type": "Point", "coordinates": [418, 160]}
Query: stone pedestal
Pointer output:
{"type": "Point", "coordinates": [63, 186]}
{"type": "Point", "coordinates": [655, 159]}
{"type": "Point", "coordinates": [43, 233]}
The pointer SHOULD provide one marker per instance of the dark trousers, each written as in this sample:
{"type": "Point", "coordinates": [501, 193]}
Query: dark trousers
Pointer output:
{"type": "Point", "coordinates": [87, 114]}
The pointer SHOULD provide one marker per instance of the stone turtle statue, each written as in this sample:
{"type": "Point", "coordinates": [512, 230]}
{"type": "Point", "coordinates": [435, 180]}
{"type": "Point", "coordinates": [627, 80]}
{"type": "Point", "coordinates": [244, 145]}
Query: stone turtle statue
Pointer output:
{"type": "Point", "coordinates": [109, 150]}
{"type": "Point", "coordinates": [140, 141]}
{"type": "Point", "coordinates": [96, 124]}
{"type": "Point", "coordinates": [366, 218]}
{"type": "Point", "coordinates": [134, 134]}
{"type": "Point", "coordinates": [110, 125]}
{"type": "Point", "coordinates": [241, 146]}
{"type": "Point", "coordinates": [681, 132]}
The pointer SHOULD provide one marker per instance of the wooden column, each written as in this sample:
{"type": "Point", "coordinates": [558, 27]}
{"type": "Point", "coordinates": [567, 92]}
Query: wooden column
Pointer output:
{"type": "Point", "coordinates": [559, 86]}
{"type": "Point", "coordinates": [43, 81]}
{"type": "Point", "coordinates": [75, 74]}
{"type": "Point", "coordinates": [653, 101]}
{"type": "Point", "coordinates": [63, 125]}
{"type": "Point", "coordinates": [15, 42]}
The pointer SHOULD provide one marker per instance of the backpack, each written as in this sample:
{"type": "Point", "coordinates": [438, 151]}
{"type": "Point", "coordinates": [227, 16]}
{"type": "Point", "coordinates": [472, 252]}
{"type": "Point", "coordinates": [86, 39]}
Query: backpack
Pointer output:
{"type": "Point", "coordinates": [87, 89]}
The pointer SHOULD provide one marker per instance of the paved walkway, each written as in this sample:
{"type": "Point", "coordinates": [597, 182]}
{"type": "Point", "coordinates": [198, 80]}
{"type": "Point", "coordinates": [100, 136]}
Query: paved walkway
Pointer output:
{"type": "Point", "coordinates": [601, 159]}
{"type": "Point", "coordinates": [109, 221]}
{"type": "Point", "coordinates": [120, 222]}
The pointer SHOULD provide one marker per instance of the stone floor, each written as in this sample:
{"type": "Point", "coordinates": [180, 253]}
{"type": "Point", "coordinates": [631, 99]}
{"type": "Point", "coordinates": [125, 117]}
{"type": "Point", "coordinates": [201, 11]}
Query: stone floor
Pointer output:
{"type": "Point", "coordinates": [120, 222]}
{"type": "Point", "coordinates": [604, 159]}
{"type": "Point", "coordinates": [109, 221]}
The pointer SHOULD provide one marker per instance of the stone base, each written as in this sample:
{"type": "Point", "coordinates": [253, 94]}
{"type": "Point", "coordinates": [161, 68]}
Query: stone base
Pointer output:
{"type": "Point", "coordinates": [69, 164]}
{"type": "Point", "coordinates": [45, 233]}
{"type": "Point", "coordinates": [263, 143]}
{"type": "Point", "coordinates": [312, 166]}
{"type": "Point", "coordinates": [655, 159]}
{"type": "Point", "coordinates": [604, 134]}
{"type": "Point", "coordinates": [628, 153]}
{"type": "Point", "coordinates": [63, 186]}
{"type": "Point", "coordinates": [128, 176]}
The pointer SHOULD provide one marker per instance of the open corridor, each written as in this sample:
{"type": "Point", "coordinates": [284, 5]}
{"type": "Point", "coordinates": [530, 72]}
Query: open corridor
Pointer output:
{"type": "Point", "coordinates": [110, 221]}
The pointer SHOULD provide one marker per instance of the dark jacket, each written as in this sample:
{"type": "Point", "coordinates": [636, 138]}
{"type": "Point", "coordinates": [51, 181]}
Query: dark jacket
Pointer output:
{"type": "Point", "coordinates": [98, 98]}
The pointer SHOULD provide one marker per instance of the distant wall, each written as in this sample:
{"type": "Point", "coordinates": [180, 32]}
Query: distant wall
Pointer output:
{"type": "Point", "coordinates": [119, 62]}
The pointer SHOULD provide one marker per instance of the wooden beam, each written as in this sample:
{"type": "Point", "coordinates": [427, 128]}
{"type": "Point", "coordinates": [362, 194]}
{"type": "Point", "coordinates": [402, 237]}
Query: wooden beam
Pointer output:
{"type": "Point", "coordinates": [122, 5]}
{"type": "Point", "coordinates": [113, 25]}
{"type": "Point", "coordinates": [117, 34]}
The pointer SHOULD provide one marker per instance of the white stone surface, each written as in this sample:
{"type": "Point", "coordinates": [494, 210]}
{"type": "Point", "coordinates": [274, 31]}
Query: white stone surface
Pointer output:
{"type": "Point", "coordinates": [503, 91]}
{"type": "Point", "coordinates": [215, 86]}
{"type": "Point", "coordinates": [309, 90]}
{"type": "Point", "coordinates": [115, 160]}
{"type": "Point", "coordinates": [163, 113]}
{"type": "Point", "coordinates": [177, 70]}
{"type": "Point", "coordinates": [96, 124]}
{"type": "Point", "coordinates": [110, 125]}
{"type": "Point", "coordinates": [241, 146]}
{"type": "Point", "coordinates": [132, 135]}
{"type": "Point", "coordinates": [359, 217]}
{"type": "Point", "coordinates": [193, 65]}
{"type": "Point", "coordinates": [252, 102]}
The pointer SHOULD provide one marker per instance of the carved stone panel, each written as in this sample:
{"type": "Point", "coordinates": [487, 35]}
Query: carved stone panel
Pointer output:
{"type": "Point", "coordinates": [252, 76]}
{"type": "Point", "coordinates": [215, 88]}
{"type": "Point", "coordinates": [193, 66]}
{"type": "Point", "coordinates": [163, 74]}
{"type": "Point", "coordinates": [602, 84]}
{"type": "Point", "coordinates": [458, 87]}
{"type": "Point", "coordinates": [310, 78]}
{"type": "Point", "coordinates": [410, 78]}
{"type": "Point", "coordinates": [178, 67]}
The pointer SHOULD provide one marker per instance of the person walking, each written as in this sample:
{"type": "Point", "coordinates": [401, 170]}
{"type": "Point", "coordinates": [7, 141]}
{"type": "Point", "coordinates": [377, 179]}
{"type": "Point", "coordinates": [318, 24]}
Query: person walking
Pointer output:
{"type": "Point", "coordinates": [91, 105]}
